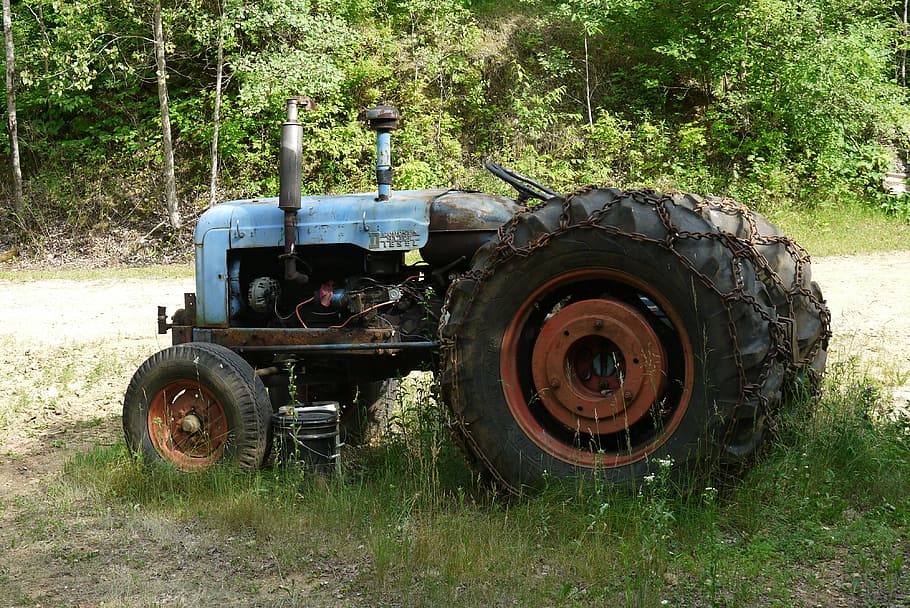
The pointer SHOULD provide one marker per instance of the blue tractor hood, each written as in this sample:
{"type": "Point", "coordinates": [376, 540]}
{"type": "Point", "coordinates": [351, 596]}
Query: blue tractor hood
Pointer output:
{"type": "Point", "coordinates": [398, 224]}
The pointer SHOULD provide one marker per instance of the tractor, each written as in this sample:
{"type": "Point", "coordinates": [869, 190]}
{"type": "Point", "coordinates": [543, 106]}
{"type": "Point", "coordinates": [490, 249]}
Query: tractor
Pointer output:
{"type": "Point", "coordinates": [594, 333]}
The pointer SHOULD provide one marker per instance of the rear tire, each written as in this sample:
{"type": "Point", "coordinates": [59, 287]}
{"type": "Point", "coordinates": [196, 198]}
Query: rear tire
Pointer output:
{"type": "Point", "coordinates": [609, 331]}
{"type": "Point", "coordinates": [794, 294]}
{"type": "Point", "coordinates": [195, 405]}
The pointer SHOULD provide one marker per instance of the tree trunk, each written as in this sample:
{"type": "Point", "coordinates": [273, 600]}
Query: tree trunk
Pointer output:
{"type": "Point", "coordinates": [170, 181]}
{"type": "Point", "coordinates": [588, 83]}
{"type": "Point", "coordinates": [11, 107]}
{"type": "Point", "coordinates": [903, 67]}
{"type": "Point", "coordinates": [213, 190]}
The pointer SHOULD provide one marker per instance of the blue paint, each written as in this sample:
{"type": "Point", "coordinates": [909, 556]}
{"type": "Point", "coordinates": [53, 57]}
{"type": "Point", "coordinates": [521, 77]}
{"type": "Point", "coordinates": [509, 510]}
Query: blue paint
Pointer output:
{"type": "Point", "coordinates": [212, 276]}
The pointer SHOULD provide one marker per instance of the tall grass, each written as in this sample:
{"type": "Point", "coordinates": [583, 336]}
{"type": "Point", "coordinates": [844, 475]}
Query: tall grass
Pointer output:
{"type": "Point", "coordinates": [826, 509]}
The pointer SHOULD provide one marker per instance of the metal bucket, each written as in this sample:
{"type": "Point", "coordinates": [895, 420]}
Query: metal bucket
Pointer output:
{"type": "Point", "coordinates": [307, 433]}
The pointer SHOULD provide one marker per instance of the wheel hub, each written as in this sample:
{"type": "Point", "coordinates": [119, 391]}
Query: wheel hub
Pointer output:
{"type": "Point", "coordinates": [187, 425]}
{"type": "Point", "coordinates": [191, 424]}
{"type": "Point", "coordinates": [598, 365]}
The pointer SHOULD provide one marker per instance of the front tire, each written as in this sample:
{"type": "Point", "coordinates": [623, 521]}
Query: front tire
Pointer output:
{"type": "Point", "coordinates": [197, 404]}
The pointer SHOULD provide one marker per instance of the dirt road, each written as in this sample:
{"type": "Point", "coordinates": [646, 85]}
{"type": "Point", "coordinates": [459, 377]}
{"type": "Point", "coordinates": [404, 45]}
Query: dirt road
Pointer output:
{"type": "Point", "coordinates": [869, 298]}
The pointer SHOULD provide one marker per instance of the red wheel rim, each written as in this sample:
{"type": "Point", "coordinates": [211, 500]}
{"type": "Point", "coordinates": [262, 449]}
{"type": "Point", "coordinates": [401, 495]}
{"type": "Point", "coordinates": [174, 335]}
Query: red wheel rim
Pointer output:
{"type": "Point", "coordinates": [588, 376]}
{"type": "Point", "coordinates": [187, 425]}
{"type": "Point", "coordinates": [598, 366]}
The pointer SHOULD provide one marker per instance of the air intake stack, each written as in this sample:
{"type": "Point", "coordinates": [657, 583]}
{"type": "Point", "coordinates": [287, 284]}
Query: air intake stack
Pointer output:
{"type": "Point", "coordinates": [383, 120]}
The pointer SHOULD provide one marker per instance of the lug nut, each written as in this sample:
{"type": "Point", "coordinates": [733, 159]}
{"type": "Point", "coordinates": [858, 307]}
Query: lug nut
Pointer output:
{"type": "Point", "coordinates": [627, 395]}
{"type": "Point", "coordinates": [598, 324]}
{"type": "Point", "coordinates": [554, 383]}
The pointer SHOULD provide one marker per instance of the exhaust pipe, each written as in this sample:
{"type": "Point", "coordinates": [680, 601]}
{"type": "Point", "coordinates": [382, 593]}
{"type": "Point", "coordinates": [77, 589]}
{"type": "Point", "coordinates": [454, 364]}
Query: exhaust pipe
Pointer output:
{"type": "Point", "coordinates": [289, 179]}
{"type": "Point", "coordinates": [383, 120]}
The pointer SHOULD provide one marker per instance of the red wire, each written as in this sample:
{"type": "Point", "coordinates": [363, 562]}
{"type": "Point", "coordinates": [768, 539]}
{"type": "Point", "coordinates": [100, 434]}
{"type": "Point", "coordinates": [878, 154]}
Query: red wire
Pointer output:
{"type": "Point", "coordinates": [297, 311]}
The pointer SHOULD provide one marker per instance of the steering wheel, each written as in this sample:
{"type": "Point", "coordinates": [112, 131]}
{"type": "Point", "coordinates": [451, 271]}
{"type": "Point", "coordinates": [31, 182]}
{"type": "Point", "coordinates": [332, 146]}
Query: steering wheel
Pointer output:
{"type": "Point", "coordinates": [526, 187]}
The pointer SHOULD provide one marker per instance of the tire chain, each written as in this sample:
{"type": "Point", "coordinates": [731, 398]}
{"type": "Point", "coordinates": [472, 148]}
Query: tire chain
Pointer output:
{"type": "Point", "coordinates": [782, 330]}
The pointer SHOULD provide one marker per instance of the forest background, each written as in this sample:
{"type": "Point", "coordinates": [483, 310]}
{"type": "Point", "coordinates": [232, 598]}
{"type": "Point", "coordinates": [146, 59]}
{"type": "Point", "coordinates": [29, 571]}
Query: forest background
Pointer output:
{"type": "Point", "coordinates": [782, 105]}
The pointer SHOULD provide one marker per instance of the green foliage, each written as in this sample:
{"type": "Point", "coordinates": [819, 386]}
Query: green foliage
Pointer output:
{"type": "Point", "coordinates": [779, 103]}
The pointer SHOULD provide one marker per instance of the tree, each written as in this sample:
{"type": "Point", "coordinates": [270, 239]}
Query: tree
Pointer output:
{"type": "Point", "coordinates": [11, 107]}
{"type": "Point", "coordinates": [170, 180]}
{"type": "Point", "coordinates": [591, 16]}
{"type": "Point", "coordinates": [216, 114]}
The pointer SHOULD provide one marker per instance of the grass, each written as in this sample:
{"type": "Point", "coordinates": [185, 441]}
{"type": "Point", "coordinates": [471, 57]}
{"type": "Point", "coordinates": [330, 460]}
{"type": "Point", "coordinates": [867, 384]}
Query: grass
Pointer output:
{"type": "Point", "coordinates": [825, 512]}
{"type": "Point", "coordinates": [846, 230]}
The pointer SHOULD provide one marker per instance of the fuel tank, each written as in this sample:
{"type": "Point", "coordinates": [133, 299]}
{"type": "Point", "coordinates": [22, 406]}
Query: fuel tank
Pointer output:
{"type": "Point", "coordinates": [460, 222]}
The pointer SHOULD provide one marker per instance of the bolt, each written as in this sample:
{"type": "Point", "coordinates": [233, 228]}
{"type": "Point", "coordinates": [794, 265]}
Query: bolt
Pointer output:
{"type": "Point", "coordinates": [627, 395]}
{"type": "Point", "coordinates": [598, 324]}
{"type": "Point", "coordinates": [554, 383]}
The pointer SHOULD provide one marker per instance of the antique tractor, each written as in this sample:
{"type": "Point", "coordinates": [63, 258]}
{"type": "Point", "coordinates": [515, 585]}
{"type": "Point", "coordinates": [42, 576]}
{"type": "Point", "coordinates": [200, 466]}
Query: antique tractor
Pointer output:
{"type": "Point", "coordinates": [592, 333]}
